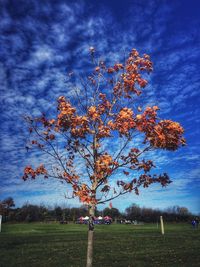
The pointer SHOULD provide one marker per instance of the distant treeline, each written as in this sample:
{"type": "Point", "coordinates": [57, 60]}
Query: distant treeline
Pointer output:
{"type": "Point", "coordinates": [35, 213]}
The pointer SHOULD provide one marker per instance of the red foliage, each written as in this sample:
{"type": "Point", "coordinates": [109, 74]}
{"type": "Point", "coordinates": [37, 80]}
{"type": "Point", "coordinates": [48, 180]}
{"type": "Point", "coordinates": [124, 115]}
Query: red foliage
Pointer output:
{"type": "Point", "coordinates": [166, 135]}
{"type": "Point", "coordinates": [106, 117]}
{"type": "Point", "coordinates": [30, 172]}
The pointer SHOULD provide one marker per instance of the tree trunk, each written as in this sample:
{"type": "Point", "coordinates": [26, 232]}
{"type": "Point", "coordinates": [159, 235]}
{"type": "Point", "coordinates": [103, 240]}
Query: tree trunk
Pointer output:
{"type": "Point", "coordinates": [90, 237]}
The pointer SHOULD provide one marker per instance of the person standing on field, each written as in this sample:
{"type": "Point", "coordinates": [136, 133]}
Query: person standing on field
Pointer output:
{"type": "Point", "coordinates": [193, 223]}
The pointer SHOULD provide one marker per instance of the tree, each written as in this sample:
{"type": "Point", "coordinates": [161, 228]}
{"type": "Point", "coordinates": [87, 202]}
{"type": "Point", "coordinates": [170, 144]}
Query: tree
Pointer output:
{"type": "Point", "coordinates": [133, 212]}
{"type": "Point", "coordinates": [177, 213]}
{"type": "Point", "coordinates": [5, 206]}
{"type": "Point", "coordinates": [58, 213]}
{"type": "Point", "coordinates": [30, 213]}
{"type": "Point", "coordinates": [113, 213]}
{"type": "Point", "coordinates": [105, 110]}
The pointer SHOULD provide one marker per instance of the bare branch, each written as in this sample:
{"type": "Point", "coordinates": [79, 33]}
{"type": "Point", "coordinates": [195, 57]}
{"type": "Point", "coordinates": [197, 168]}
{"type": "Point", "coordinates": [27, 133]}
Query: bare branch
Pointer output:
{"type": "Point", "coordinates": [111, 198]}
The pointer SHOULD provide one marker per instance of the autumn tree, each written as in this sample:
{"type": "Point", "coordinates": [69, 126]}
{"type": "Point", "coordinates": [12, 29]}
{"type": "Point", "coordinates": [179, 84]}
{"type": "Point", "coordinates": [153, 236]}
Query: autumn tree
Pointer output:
{"type": "Point", "coordinates": [93, 139]}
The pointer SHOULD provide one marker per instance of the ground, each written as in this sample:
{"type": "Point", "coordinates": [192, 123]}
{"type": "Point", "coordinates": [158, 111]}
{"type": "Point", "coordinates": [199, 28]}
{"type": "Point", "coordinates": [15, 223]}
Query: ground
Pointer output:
{"type": "Point", "coordinates": [42, 245]}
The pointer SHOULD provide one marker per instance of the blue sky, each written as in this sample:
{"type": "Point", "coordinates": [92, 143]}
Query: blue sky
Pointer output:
{"type": "Point", "coordinates": [40, 41]}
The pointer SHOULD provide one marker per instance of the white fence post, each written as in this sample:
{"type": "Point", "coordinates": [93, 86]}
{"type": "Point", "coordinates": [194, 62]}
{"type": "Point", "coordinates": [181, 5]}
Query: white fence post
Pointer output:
{"type": "Point", "coordinates": [0, 222]}
{"type": "Point", "coordinates": [162, 225]}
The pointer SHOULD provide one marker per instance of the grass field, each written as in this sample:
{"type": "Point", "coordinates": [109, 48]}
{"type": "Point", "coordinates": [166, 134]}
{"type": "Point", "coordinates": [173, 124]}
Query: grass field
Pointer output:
{"type": "Point", "coordinates": [48, 245]}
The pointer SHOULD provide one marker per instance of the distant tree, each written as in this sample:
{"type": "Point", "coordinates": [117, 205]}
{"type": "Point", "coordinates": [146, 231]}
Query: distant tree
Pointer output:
{"type": "Point", "coordinates": [171, 214]}
{"type": "Point", "coordinates": [31, 213]}
{"type": "Point", "coordinates": [78, 212]}
{"type": "Point", "coordinates": [43, 212]}
{"type": "Point", "coordinates": [177, 213]}
{"type": "Point", "coordinates": [114, 213]}
{"type": "Point", "coordinates": [5, 207]}
{"type": "Point", "coordinates": [7, 203]}
{"type": "Point", "coordinates": [183, 211]}
{"type": "Point", "coordinates": [106, 110]}
{"type": "Point", "coordinates": [58, 213]}
{"type": "Point", "coordinates": [133, 212]}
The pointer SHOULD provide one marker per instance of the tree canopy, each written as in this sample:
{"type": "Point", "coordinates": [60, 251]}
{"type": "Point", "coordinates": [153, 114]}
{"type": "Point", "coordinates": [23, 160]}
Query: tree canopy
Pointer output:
{"type": "Point", "coordinates": [107, 110]}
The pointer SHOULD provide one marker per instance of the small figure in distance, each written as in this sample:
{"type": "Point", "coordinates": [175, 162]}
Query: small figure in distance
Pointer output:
{"type": "Point", "coordinates": [193, 223]}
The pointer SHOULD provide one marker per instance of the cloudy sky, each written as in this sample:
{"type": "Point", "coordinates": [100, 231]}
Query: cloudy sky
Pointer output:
{"type": "Point", "coordinates": [41, 41]}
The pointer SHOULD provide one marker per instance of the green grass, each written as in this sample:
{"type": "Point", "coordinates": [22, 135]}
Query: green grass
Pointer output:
{"type": "Point", "coordinates": [42, 245]}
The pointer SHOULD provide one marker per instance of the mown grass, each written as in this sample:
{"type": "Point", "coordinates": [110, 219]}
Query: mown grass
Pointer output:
{"type": "Point", "coordinates": [42, 245]}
